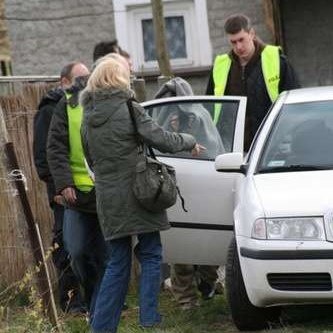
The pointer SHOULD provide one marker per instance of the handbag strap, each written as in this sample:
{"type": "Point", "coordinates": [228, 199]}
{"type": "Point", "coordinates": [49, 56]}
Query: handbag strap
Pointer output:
{"type": "Point", "coordinates": [131, 111]}
{"type": "Point", "coordinates": [151, 151]}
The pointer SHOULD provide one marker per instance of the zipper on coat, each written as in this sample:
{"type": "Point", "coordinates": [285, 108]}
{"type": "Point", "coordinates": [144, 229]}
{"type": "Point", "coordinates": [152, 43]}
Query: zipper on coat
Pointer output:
{"type": "Point", "coordinates": [243, 79]}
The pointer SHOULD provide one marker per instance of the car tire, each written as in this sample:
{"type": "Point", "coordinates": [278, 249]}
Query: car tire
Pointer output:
{"type": "Point", "coordinates": [245, 315]}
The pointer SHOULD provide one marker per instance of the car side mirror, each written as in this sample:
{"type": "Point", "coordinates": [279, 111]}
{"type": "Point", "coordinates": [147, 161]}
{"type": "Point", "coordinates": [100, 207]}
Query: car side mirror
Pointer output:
{"type": "Point", "coordinates": [230, 162]}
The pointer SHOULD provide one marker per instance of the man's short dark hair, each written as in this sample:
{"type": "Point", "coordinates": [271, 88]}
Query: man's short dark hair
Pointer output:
{"type": "Point", "coordinates": [66, 72]}
{"type": "Point", "coordinates": [235, 23]}
{"type": "Point", "coordinates": [103, 48]}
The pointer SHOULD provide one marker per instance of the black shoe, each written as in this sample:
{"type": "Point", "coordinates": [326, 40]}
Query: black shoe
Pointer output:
{"type": "Point", "coordinates": [77, 310]}
{"type": "Point", "coordinates": [207, 291]}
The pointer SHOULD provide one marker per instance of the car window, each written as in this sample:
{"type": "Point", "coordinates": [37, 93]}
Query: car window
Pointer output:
{"type": "Point", "coordinates": [248, 155]}
{"type": "Point", "coordinates": [196, 118]}
{"type": "Point", "coordinates": [302, 136]}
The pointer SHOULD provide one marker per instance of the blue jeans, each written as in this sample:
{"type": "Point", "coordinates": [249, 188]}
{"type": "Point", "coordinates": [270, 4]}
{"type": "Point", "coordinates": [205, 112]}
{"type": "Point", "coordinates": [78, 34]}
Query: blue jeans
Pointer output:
{"type": "Point", "coordinates": [67, 280]}
{"type": "Point", "coordinates": [84, 242]}
{"type": "Point", "coordinates": [114, 286]}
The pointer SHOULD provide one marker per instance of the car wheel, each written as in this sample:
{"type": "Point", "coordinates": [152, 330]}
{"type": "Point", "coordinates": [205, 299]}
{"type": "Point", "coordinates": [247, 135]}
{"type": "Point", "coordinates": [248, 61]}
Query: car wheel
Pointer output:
{"type": "Point", "coordinates": [245, 315]}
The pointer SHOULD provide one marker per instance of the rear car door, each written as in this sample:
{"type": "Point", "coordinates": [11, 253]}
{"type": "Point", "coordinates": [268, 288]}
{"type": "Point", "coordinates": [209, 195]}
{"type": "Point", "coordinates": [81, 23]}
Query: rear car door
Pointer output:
{"type": "Point", "coordinates": [202, 234]}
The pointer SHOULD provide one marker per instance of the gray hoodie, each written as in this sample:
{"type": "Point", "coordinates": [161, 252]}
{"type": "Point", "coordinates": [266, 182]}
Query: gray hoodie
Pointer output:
{"type": "Point", "coordinates": [191, 118]}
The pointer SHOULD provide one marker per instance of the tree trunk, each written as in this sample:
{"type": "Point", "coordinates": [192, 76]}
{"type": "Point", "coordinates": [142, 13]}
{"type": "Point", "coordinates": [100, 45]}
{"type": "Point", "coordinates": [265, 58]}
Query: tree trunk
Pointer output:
{"type": "Point", "coordinates": [160, 42]}
{"type": "Point", "coordinates": [273, 20]}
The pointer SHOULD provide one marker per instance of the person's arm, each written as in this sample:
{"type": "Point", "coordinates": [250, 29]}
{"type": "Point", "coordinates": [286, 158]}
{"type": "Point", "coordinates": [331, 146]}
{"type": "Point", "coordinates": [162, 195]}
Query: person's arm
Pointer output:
{"type": "Point", "coordinates": [58, 148]}
{"type": "Point", "coordinates": [165, 141]}
{"type": "Point", "coordinates": [42, 121]}
{"type": "Point", "coordinates": [288, 78]}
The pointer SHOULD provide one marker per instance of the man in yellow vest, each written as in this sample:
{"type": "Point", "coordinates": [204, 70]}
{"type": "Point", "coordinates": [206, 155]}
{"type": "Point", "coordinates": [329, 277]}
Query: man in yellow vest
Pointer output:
{"type": "Point", "coordinates": [82, 236]}
{"type": "Point", "coordinates": [68, 285]}
{"type": "Point", "coordinates": [252, 69]}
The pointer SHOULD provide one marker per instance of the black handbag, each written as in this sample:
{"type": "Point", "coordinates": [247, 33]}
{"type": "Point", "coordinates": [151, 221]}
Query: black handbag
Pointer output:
{"type": "Point", "coordinates": [155, 185]}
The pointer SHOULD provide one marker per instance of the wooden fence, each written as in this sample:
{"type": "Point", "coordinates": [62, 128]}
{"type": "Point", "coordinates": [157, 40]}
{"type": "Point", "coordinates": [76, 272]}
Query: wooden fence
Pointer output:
{"type": "Point", "coordinates": [19, 98]}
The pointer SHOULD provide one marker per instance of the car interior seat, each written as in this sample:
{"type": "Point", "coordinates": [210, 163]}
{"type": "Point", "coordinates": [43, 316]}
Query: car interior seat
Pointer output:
{"type": "Point", "coordinates": [311, 143]}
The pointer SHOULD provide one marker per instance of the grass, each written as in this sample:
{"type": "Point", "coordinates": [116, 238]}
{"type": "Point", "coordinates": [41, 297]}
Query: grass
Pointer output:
{"type": "Point", "coordinates": [212, 317]}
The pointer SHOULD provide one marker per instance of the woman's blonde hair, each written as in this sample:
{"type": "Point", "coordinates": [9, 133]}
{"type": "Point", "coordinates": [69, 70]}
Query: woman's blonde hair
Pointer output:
{"type": "Point", "coordinates": [111, 71]}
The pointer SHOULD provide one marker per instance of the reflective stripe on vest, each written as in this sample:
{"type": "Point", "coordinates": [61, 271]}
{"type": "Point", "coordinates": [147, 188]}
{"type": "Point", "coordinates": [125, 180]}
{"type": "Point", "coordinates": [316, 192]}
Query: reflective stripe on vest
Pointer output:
{"type": "Point", "coordinates": [270, 64]}
{"type": "Point", "coordinates": [80, 174]}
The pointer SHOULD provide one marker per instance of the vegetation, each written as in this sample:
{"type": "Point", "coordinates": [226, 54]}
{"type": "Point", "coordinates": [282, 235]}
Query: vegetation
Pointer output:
{"type": "Point", "coordinates": [22, 314]}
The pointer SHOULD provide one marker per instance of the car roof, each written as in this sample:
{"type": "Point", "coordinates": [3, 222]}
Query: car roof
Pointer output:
{"type": "Point", "coordinates": [313, 94]}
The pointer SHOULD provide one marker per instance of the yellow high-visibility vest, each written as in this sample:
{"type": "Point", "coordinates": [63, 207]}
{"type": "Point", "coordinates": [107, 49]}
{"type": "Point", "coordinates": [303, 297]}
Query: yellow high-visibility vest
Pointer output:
{"type": "Point", "coordinates": [270, 64]}
{"type": "Point", "coordinates": [80, 174]}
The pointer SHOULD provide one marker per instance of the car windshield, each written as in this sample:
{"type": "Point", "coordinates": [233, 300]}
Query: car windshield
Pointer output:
{"type": "Point", "coordinates": [301, 139]}
{"type": "Point", "coordinates": [196, 118]}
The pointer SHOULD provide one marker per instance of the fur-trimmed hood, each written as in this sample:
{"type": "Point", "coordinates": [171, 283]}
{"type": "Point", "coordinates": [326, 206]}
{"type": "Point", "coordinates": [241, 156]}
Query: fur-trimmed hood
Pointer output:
{"type": "Point", "coordinates": [94, 103]}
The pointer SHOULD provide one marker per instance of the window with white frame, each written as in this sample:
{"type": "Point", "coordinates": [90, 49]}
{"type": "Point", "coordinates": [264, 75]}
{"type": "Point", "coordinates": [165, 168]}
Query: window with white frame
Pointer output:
{"type": "Point", "coordinates": [186, 29]}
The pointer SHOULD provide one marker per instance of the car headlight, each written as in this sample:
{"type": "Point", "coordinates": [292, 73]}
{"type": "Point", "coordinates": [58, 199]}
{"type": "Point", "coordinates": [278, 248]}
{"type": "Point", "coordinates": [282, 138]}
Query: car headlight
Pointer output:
{"type": "Point", "coordinates": [289, 228]}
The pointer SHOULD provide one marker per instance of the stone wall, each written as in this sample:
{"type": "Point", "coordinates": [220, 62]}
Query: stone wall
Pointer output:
{"type": "Point", "coordinates": [45, 35]}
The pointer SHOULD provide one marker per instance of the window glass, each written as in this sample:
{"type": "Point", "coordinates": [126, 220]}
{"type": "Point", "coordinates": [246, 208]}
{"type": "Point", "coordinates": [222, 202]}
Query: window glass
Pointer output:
{"type": "Point", "coordinates": [226, 121]}
{"type": "Point", "coordinates": [302, 135]}
{"type": "Point", "coordinates": [196, 118]}
{"type": "Point", "coordinates": [175, 37]}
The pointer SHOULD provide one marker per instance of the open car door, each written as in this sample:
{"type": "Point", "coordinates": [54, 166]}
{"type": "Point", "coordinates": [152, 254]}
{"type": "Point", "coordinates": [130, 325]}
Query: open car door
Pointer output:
{"type": "Point", "coordinates": [203, 233]}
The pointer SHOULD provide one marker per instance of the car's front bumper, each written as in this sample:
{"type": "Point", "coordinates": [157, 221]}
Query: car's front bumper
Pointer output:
{"type": "Point", "coordinates": [286, 272]}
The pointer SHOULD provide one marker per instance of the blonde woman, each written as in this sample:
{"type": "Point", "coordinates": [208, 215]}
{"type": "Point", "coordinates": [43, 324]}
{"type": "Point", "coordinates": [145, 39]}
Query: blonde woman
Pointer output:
{"type": "Point", "coordinates": [111, 143]}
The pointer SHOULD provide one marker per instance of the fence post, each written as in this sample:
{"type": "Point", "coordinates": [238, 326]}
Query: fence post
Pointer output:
{"type": "Point", "coordinates": [162, 79]}
{"type": "Point", "coordinates": [43, 277]}
{"type": "Point", "coordinates": [139, 86]}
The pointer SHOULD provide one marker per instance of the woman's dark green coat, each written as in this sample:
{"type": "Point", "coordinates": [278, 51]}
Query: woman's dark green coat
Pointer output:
{"type": "Point", "coordinates": [111, 145]}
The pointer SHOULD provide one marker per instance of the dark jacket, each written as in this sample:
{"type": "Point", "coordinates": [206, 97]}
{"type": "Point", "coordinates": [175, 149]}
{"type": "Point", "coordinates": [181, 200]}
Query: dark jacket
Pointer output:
{"type": "Point", "coordinates": [249, 81]}
{"type": "Point", "coordinates": [42, 122]}
{"type": "Point", "coordinates": [110, 138]}
{"type": "Point", "coordinates": [58, 151]}
{"type": "Point", "coordinates": [58, 148]}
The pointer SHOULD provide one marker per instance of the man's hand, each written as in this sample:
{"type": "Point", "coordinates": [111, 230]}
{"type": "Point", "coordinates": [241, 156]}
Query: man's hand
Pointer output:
{"type": "Point", "coordinates": [197, 149]}
{"type": "Point", "coordinates": [69, 195]}
{"type": "Point", "coordinates": [58, 199]}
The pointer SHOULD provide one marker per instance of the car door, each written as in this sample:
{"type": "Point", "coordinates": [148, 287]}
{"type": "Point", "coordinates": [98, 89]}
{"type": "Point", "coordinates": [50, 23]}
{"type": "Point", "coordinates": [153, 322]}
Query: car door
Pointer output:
{"type": "Point", "coordinates": [202, 234]}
